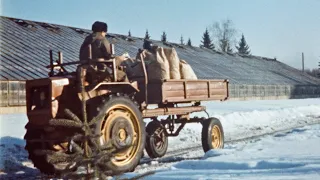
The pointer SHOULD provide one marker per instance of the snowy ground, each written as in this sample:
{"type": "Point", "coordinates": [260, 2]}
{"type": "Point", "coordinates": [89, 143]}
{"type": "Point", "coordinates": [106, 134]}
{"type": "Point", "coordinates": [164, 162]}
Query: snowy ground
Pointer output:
{"type": "Point", "coordinates": [294, 154]}
{"type": "Point", "coordinates": [271, 139]}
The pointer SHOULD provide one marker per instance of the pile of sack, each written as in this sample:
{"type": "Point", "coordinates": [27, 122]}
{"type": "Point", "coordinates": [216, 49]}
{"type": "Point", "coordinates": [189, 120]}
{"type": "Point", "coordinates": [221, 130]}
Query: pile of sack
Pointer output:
{"type": "Point", "coordinates": [161, 63]}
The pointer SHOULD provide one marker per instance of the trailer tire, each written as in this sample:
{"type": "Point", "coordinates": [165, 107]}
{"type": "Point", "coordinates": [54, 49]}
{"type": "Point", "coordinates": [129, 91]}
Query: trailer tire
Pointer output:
{"type": "Point", "coordinates": [212, 136]}
{"type": "Point", "coordinates": [153, 148]}
{"type": "Point", "coordinates": [123, 124]}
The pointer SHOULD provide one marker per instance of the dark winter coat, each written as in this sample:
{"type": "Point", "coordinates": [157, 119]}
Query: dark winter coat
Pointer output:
{"type": "Point", "coordinates": [100, 47]}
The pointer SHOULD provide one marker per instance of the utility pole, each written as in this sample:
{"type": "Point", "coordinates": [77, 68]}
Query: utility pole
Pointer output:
{"type": "Point", "coordinates": [302, 62]}
{"type": "Point", "coordinates": [319, 70]}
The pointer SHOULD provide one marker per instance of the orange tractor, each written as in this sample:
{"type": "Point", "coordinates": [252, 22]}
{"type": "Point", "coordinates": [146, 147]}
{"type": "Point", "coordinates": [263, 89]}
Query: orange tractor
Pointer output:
{"type": "Point", "coordinates": [73, 123]}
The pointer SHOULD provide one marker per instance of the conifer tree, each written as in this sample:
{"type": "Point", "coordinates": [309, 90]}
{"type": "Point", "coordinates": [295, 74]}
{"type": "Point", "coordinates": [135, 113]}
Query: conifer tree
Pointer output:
{"type": "Point", "coordinates": [189, 42]}
{"type": "Point", "coordinates": [243, 47]}
{"type": "Point", "coordinates": [181, 40]}
{"type": "Point", "coordinates": [164, 37]}
{"type": "Point", "coordinates": [206, 40]}
{"type": "Point", "coordinates": [147, 36]}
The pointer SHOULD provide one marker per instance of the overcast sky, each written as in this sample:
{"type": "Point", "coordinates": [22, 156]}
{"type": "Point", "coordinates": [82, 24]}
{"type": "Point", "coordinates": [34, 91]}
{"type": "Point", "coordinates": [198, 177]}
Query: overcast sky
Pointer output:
{"type": "Point", "coordinates": [272, 28]}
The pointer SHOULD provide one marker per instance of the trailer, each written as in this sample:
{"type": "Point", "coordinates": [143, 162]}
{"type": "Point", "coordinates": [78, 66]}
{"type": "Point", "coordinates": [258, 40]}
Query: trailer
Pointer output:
{"type": "Point", "coordinates": [73, 123]}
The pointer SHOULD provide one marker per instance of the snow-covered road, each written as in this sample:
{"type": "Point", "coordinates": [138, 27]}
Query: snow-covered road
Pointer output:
{"type": "Point", "coordinates": [272, 139]}
{"type": "Point", "coordinates": [293, 154]}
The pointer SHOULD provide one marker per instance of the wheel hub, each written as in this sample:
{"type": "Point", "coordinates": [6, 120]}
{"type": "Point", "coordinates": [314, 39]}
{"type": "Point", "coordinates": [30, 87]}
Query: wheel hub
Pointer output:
{"type": "Point", "coordinates": [216, 139]}
{"type": "Point", "coordinates": [122, 133]}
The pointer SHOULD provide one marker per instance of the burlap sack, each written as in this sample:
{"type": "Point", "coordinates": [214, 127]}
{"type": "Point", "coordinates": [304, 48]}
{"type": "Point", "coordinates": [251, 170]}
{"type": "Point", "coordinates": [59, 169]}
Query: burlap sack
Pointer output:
{"type": "Point", "coordinates": [173, 59]}
{"type": "Point", "coordinates": [156, 64]}
{"type": "Point", "coordinates": [186, 71]}
{"type": "Point", "coordinates": [135, 70]}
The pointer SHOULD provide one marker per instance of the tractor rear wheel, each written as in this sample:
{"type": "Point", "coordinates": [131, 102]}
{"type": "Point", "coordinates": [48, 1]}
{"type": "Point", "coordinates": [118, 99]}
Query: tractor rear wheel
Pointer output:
{"type": "Point", "coordinates": [212, 134]}
{"type": "Point", "coordinates": [123, 125]}
{"type": "Point", "coordinates": [156, 140]}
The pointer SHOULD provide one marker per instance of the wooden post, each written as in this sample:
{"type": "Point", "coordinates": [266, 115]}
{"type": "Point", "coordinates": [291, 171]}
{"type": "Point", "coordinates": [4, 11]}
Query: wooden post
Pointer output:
{"type": "Point", "coordinates": [60, 61]}
{"type": "Point", "coordinates": [145, 81]}
{"type": "Point", "coordinates": [60, 57]}
{"type": "Point", "coordinates": [114, 70]}
{"type": "Point", "coordinates": [112, 49]}
{"type": "Point", "coordinates": [51, 64]}
{"type": "Point", "coordinates": [90, 52]}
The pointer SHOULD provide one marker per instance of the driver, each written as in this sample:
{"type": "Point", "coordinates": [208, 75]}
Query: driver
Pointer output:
{"type": "Point", "coordinates": [100, 48]}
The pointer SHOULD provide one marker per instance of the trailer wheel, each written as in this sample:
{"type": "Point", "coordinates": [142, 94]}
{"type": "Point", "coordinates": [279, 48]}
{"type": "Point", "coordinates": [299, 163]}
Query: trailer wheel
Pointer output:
{"type": "Point", "coordinates": [156, 140]}
{"type": "Point", "coordinates": [212, 134]}
{"type": "Point", "coordinates": [123, 125]}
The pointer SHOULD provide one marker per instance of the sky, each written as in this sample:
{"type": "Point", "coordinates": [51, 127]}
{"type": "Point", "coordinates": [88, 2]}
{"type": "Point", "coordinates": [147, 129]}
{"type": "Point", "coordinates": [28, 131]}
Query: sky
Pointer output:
{"type": "Point", "coordinates": [272, 28]}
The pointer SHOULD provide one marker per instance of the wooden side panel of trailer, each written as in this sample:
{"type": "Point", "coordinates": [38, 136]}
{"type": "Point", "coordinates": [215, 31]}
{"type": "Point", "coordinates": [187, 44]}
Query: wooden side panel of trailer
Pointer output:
{"type": "Point", "coordinates": [178, 91]}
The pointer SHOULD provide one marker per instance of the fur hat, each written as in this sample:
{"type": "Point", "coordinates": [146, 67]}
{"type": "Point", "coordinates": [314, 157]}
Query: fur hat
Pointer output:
{"type": "Point", "coordinates": [99, 27]}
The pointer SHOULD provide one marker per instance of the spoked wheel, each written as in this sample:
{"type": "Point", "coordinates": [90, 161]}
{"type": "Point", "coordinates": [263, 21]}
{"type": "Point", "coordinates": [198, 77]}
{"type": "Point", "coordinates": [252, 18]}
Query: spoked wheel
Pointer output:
{"type": "Point", "coordinates": [123, 125]}
{"type": "Point", "coordinates": [156, 140]}
{"type": "Point", "coordinates": [212, 134]}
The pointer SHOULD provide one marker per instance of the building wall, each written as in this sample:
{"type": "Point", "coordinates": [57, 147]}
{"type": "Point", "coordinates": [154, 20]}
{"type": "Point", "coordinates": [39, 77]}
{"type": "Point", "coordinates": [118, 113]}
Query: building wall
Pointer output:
{"type": "Point", "coordinates": [246, 92]}
{"type": "Point", "coordinates": [13, 94]}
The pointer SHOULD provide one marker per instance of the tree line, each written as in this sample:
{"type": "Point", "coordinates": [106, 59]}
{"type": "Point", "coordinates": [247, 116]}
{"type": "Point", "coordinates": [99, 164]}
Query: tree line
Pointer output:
{"type": "Point", "coordinates": [313, 72]}
{"type": "Point", "coordinates": [219, 36]}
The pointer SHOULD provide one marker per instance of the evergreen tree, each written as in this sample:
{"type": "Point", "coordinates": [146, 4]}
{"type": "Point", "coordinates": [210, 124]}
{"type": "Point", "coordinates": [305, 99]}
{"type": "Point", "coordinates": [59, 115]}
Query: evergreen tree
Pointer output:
{"type": "Point", "coordinates": [243, 47]}
{"type": "Point", "coordinates": [129, 33]}
{"type": "Point", "coordinates": [206, 40]}
{"type": "Point", "coordinates": [147, 36]}
{"type": "Point", "coordinates": [189, 42]}
{"type": "Point", "coordinates": [181, 40]}
{"type": "Point", "coordinates": [164, 37]}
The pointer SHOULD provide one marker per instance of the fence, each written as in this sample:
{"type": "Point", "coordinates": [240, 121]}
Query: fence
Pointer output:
{"type": "Point", "coordinates": [12, 93]}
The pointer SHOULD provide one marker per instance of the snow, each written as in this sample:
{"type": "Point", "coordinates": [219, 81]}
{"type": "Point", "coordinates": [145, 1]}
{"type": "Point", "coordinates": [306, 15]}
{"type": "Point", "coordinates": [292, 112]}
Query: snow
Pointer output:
{"type": "Point", "coordinates": [269, 139]}
{"type": "Point", "coordinates": [241, 119]}
{"type": "Point", "coordinates": [293, 154]}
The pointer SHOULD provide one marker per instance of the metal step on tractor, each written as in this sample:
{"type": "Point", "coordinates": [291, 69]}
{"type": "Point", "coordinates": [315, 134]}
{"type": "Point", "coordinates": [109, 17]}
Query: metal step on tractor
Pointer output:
{"type": "Point", "coordinates": [74, 124]}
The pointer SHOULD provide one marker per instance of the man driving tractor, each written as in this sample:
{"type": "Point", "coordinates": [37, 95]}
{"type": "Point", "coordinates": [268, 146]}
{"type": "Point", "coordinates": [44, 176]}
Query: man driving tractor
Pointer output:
{"type": "Point", "coordinates": [100, 50]}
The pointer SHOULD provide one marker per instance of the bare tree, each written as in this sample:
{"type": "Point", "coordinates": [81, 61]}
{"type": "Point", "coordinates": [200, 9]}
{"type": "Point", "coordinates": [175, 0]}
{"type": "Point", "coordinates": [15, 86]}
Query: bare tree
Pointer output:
{"type": "Point", "coordinates": [224, 33]}
{"type": "Point", "coordinates": [313, 72]}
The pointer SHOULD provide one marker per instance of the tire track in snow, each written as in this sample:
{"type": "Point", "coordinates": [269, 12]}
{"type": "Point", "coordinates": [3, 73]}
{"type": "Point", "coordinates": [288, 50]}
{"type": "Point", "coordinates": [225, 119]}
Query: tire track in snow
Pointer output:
{"type": "Point", "coordinates": [174, 156]}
